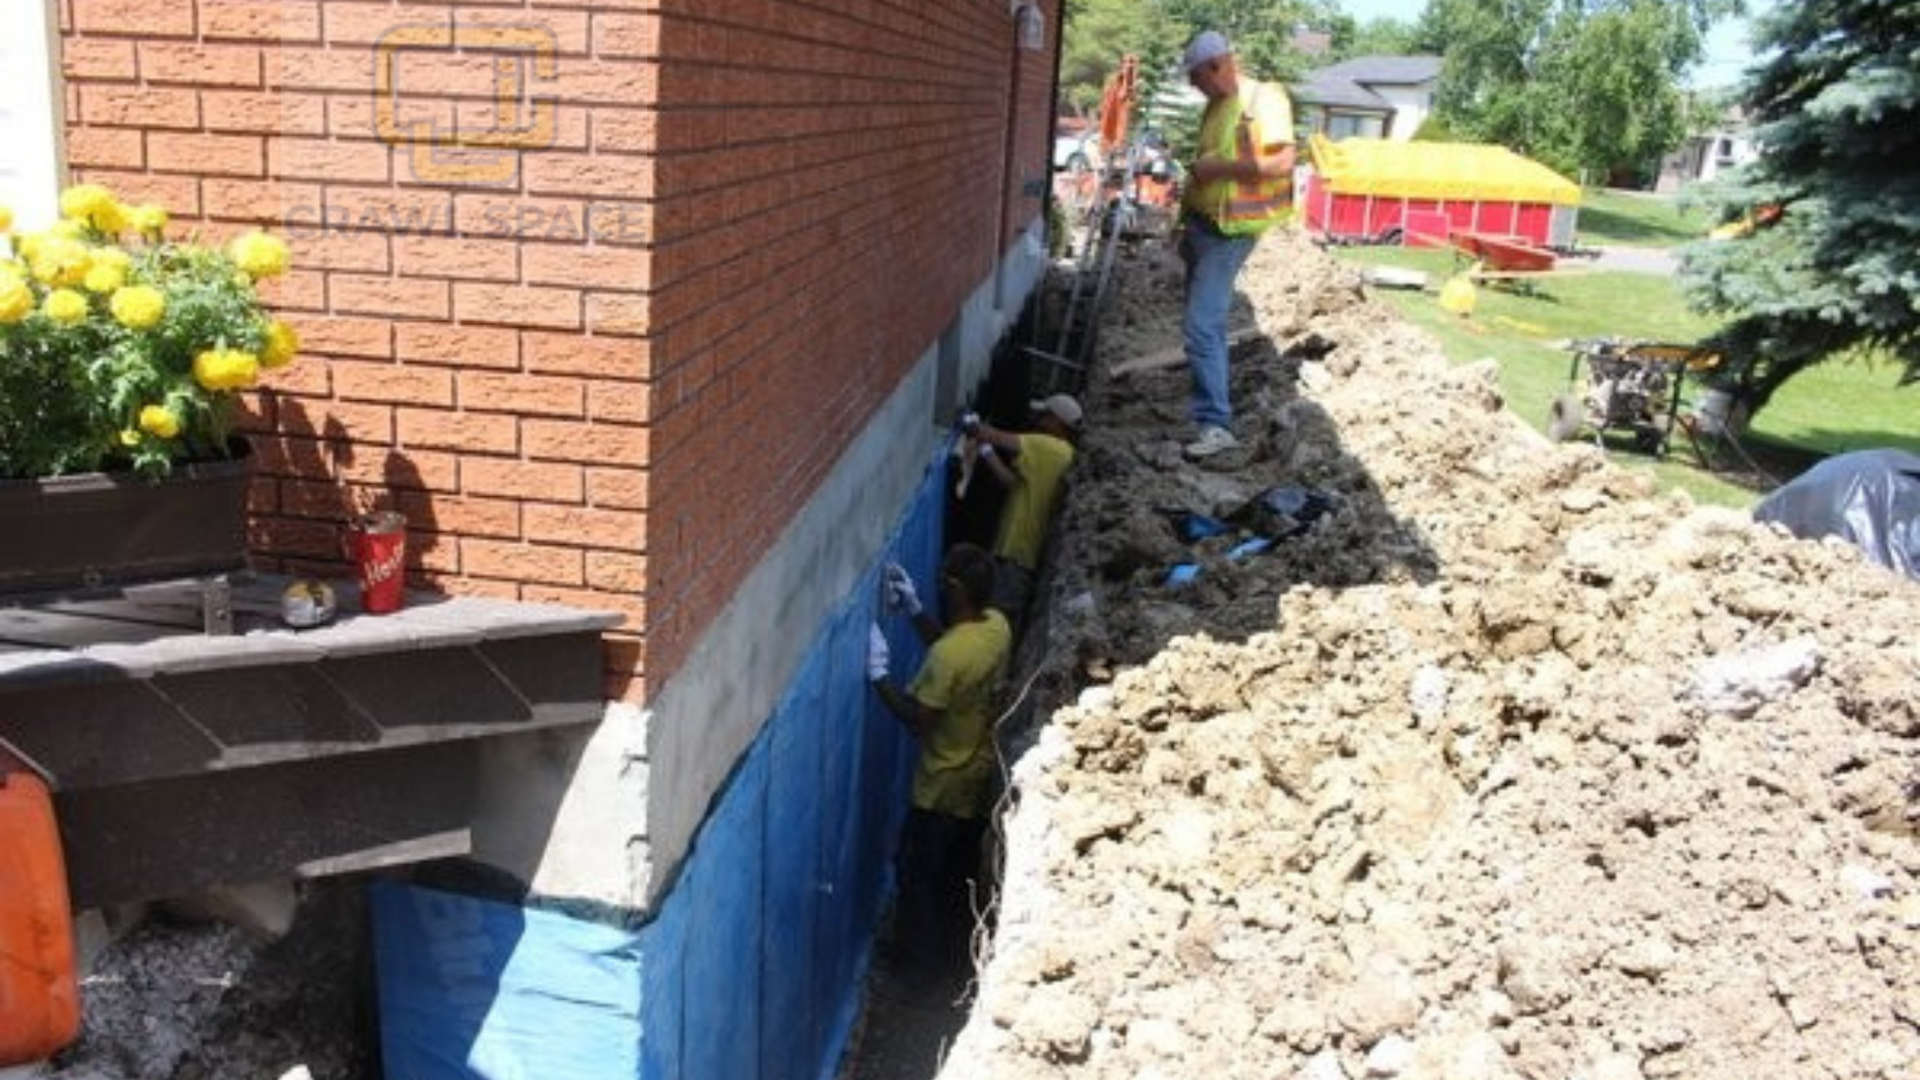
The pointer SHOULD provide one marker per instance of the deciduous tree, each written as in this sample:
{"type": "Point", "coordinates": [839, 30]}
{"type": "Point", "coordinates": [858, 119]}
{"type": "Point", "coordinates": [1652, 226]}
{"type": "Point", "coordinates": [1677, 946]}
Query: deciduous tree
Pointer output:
{"type": "Point", "coordinates": [1377, 37]}
{"type": "Point", "coordinates": [1588, 86]}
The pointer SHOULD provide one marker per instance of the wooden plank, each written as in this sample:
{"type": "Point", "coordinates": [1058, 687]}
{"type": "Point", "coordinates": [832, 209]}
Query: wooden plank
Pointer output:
{"type": "Point", "coordinates": [1175, 355]}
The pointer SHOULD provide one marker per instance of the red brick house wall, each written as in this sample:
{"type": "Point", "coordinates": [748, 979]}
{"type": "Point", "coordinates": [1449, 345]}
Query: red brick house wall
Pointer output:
{"type": "Point", "coordinates": [608, 379]}
{"type": "Point", "coordinates": [1030, 143]}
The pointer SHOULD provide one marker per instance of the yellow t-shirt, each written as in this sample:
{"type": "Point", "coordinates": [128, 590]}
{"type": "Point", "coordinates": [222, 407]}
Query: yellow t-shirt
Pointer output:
{"type": "Point", "coordinates": [1043, 460]}
{"type": "Point", "coordinates": [958, 678]}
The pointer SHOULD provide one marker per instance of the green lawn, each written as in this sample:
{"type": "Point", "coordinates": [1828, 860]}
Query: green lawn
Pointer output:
{"type": "Point", "coordinates": [1636, 219]}
{"type": "Point", "coordinates": [1829, 409]}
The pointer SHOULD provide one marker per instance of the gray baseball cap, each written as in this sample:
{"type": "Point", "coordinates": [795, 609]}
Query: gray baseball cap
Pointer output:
{"type": "Point", "coordinates": [1210, 45]}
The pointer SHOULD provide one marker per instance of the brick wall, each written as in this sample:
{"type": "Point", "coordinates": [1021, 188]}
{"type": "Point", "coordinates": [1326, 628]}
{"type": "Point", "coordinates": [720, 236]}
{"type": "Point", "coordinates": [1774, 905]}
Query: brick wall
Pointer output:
{"type": "Point", "coordinates": [830, 177]}
{"type": "Point", "coordinates": [608, 378]}
{"type": "Point", "coordinates": [1029, 171]}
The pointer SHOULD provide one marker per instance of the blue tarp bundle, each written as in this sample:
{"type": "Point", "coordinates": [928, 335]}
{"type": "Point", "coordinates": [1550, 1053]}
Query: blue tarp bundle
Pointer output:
{"type": "Point", "coordinates": [752, 966]}
{"type": "Point", "coordinates": [1869, 498]}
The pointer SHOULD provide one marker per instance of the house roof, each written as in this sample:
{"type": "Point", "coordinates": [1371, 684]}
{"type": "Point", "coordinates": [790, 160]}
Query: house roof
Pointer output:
{"type": "Point", "coordinates": [1340, 93]}
{"type": "Point", "coordinates": [1383, 70]}
{"type": "Point", "coordinates": [1349, 83]}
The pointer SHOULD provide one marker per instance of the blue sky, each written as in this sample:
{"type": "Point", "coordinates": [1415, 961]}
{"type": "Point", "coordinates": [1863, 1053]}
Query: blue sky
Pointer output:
{"type": "Point", "coordinates": [1727, 48]}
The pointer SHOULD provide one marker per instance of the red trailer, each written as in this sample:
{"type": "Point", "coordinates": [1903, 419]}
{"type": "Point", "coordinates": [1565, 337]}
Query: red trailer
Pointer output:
{"type": "Point", "coordinates": [1419, 193]}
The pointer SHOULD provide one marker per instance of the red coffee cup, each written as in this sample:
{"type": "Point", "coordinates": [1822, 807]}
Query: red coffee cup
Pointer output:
{"type": "Point", "coordinates": [377, 543]}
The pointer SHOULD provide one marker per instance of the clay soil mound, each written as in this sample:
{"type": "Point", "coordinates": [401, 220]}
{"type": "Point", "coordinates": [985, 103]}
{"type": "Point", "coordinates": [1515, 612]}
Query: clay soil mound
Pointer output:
{"type": "Point", "coordinates": [1497, 764]}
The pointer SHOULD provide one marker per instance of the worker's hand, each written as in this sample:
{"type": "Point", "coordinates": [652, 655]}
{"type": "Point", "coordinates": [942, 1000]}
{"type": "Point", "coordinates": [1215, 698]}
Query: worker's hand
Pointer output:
{"type": "Point", "coordinates": [877, 654]}
{"type": "Point", "coordinates": [986, 451]}
{"type": "Point", "coordinates": [970, 423]}
{"type": "Point", "coordinates": [900, 593]}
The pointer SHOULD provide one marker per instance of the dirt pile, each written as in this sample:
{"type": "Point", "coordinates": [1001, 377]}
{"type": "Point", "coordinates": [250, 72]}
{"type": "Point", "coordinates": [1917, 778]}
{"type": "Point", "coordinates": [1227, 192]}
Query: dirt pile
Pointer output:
{"type": "Point", "coordinates": [1494, 763]}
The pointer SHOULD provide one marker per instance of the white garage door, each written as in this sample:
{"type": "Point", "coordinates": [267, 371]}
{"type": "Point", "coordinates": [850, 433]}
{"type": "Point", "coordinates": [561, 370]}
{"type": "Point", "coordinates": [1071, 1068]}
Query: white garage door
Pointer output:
{"type": "Point", "coordinates": [29, 116]}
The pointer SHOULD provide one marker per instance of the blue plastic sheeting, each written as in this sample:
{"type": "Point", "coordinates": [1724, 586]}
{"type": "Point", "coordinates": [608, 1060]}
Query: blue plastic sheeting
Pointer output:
{"type": "Point", "coordinates": [476, 989]}
{"type": "Point", "coordinates": [753, 964]}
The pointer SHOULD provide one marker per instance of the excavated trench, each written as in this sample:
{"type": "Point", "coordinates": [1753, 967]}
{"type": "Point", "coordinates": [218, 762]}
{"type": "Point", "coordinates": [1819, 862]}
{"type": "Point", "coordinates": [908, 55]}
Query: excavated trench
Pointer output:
{"type": "Point", "coordinates": [1492, 762]}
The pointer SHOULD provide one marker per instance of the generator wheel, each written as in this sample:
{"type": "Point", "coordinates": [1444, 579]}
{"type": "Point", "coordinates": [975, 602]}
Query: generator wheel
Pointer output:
{"type": "Point", "coordinates": [1564, 418]}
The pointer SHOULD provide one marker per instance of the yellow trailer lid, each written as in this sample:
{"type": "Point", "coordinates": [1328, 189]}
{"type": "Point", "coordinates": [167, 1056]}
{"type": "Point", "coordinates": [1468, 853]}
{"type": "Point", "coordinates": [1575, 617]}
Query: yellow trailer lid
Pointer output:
{"type": "Point", "coordinates": [1431, 170]}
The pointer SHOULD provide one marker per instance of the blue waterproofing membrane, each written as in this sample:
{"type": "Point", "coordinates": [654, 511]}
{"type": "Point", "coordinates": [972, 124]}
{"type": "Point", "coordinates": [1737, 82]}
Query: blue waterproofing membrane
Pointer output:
{"type": "Point", "coordinates": [753, 964]}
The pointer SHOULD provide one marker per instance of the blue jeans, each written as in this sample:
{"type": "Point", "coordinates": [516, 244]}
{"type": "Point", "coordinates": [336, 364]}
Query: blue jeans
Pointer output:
{"type": "Point", "coordinates": [1213, 261]}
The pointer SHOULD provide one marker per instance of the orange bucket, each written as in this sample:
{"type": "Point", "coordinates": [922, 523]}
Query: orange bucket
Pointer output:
{"type": "Point", "coordinates": [39, 991]}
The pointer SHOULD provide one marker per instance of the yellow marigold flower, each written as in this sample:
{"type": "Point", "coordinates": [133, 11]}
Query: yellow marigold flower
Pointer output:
{"type": "Point", "coordinates": [6, 220]}
{"type": "Point", "coordinates": [66, 230]}
{"type": "Point", "coordinates": [59, 261]}
{"type": "Point", "coordinates": [138, 307]}
{"type": "Point", "coordinates": [225, 369]}
{"type": "Point", "coordinates": [148, 219]}
{"type": "Point", "coordinates": [82, 201]}
{"type": "Point", "coordinates": [65, 307]}
{"type": "Point", "coordinates": [280, 345]}
{"type": "Point", "coordinates": [159, 422]}
{"type": "Point", "coordinates": [104, 276]}
{"type": "Point", "coordinates": [259, 254]}
{"type": "Point", "coordinates": [129, 437]}
{"type": "Point", "coordinates": [16, 300]}
{"type": "Point", "coordinates": [112, 218]}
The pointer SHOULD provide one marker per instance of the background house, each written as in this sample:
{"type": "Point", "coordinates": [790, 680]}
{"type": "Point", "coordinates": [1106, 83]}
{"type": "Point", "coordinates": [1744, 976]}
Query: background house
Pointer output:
{"type": "Point", "coordinates": [1728, 144]}
{"type": "Point", "coordinates": [1380, 97]}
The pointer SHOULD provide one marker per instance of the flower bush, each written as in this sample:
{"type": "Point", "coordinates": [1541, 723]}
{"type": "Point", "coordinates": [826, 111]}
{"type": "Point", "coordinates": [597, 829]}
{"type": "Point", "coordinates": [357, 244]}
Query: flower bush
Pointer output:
{"type": "Point", "coordinates": [122, 349]}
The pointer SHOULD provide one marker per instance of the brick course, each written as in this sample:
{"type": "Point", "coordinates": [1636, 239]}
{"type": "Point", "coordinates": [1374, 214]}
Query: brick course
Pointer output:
{"type": "Point", "coordinates": [609, 368]}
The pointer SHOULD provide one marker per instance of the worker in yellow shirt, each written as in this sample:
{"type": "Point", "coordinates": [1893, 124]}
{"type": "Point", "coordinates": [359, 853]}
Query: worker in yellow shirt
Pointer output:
{"type": "Point", "coordinates": [1031, 466]}
{"type": "Point", "coordinates": [949, 707]}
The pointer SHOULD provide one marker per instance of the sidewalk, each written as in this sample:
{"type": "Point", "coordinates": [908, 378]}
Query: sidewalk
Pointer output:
{"type": "Point", "coordinates": [1637, 260]}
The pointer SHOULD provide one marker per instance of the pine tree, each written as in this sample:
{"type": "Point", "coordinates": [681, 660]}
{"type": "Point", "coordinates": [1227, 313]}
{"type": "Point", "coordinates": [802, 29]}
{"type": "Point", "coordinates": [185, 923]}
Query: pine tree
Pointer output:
{"type": "Point", "coordinates": [1827, 265]}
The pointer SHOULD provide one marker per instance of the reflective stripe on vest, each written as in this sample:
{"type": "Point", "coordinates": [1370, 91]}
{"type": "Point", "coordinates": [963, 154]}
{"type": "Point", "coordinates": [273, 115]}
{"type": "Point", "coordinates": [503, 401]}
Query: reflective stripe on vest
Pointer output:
{"type": "Point", "coordinates": [1252, 205]}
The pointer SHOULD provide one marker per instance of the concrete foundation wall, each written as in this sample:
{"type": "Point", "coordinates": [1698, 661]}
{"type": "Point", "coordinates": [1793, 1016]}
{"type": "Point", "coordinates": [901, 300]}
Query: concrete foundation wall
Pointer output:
{"type": "Point", "coordinates": [609, 819]}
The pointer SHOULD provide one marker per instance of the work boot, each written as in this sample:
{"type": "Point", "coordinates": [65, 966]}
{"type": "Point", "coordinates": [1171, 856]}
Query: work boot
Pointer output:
{"type": "Point", "coordinates": [1212, 440]}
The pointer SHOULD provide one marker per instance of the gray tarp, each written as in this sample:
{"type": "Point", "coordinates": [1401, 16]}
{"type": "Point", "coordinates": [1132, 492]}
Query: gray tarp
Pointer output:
{"type": "Point", "coordinates": [1870, 498]}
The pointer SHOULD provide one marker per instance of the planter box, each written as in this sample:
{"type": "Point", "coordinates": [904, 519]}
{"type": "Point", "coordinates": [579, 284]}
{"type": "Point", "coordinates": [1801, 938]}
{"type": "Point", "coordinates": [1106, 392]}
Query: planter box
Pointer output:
{"type": "Point", "coordinates": [95, 530]}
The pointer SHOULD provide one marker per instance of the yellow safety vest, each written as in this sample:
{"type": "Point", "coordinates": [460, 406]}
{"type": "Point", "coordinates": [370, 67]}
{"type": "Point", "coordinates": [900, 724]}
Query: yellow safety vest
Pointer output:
{"type": "Point", "coordinates": [1259, 116]}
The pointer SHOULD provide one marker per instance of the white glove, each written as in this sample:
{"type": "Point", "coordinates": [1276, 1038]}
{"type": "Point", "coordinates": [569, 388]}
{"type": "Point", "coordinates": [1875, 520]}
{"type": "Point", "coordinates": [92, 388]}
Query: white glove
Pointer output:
{"type": "Point", "coordinates": [877, 654]}
{"type": "Point", "coordinates": [986, 450]}
{"type": "Point", "coordinates": [900, 593]}
{"type": "Point", "coordinates": [970, 422]}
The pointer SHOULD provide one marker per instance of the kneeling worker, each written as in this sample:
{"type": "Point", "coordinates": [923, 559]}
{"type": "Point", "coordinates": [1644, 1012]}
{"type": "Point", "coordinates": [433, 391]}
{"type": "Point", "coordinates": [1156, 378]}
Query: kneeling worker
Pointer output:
{"type": "Point", "coordinates": [1039, 462]}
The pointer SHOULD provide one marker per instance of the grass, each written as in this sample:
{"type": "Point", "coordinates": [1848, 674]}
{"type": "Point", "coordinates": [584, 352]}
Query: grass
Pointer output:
{"type": "Point", "coordinates": [1636, 219]}
{"type": "Point", "coordinates": [1828, 409]}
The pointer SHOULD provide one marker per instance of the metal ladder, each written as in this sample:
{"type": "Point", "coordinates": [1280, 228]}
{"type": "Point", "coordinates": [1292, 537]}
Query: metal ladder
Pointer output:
{"type": "Point", "coordinates": [1108, 217]}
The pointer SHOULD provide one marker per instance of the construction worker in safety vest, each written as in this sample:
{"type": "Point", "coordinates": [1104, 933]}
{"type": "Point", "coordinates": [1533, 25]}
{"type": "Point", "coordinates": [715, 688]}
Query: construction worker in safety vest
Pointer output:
{"type": "Point", "coordinates": [1240, 184]}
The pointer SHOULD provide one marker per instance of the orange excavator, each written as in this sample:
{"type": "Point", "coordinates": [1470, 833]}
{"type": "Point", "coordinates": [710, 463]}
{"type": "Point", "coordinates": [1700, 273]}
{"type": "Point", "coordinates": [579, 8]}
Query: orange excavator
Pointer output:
{"type": "Point", "coordinates": [1136, 171]}
{"type": "Point", "coordinates": [1116, 104]}
{"type": "Point", "coordinates": [1149, 166]}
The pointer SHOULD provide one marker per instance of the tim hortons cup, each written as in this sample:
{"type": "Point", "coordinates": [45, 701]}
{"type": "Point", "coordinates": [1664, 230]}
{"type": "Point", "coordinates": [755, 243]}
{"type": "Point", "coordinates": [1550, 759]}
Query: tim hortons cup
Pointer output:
{"type": "Point", "coordinates": [377, 543]}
